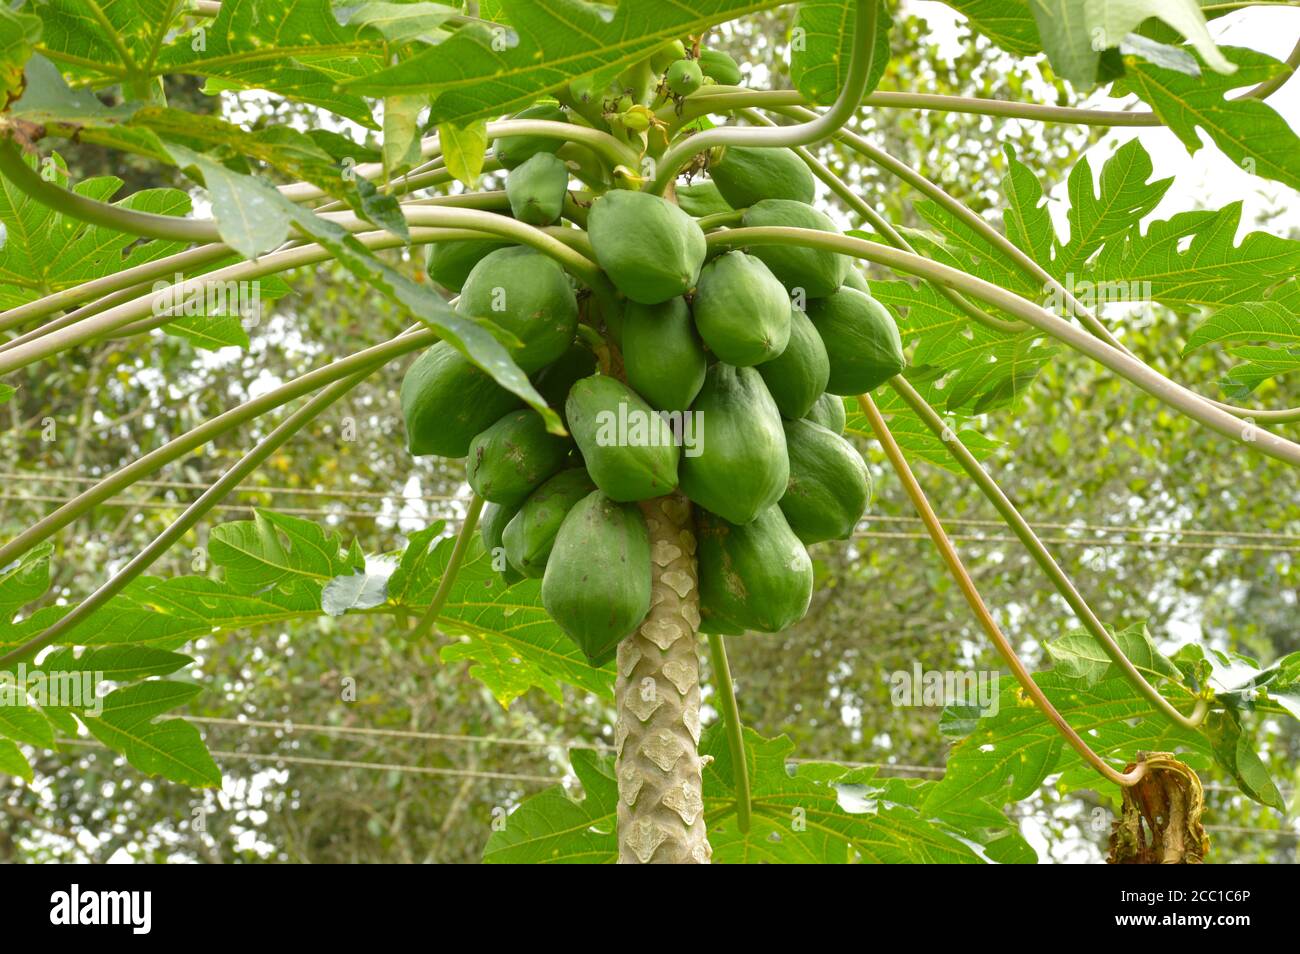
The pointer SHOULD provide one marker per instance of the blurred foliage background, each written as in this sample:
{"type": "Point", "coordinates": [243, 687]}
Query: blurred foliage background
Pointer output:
{"type": "Point", "coordinates": [321, 786]}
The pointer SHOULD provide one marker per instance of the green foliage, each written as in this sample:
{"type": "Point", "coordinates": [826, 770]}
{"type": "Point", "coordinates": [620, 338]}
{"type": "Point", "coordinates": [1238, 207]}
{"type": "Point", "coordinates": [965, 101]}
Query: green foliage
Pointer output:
{"type": "Point", "coordinates": [827, 30]}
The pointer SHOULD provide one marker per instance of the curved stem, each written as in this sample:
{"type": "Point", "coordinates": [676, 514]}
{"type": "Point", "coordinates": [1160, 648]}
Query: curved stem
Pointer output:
{"type": "Point", "coordinates": [717, 99]}
{"type": "Point", "coordinates": [1121, 362]}
{"type": "Point", "coordinates": [415, 337]}
{"type": "Point", "coordinates": [468, 221]}
{"type": "Point", "coordinates": [192, 514]}
{"type": "Point", "coordinates": [1021, 528]}
{"type": "Point", "coordinates": [976, 602]}
{"type": "Point", "coordinates": [147, 224]}
{"type": "Point", "coordinates": [726, 701]}
{"type": "Point", "coordinates": [846, 104]}
{"type": "Point", "coordinates": [425, 626]}
{"type": "Point", "coordinates": [1271, 86]}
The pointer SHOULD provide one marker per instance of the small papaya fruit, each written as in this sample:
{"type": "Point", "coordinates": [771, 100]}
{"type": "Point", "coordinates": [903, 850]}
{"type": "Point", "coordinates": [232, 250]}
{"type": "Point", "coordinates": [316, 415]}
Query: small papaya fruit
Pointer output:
{"type": "Point", "coordinates": [741, 468]}
{"type": "Point", "coordinates": [720, 67]}
{"type": "Point", "coordinates": [629, 449]}
{"type": "Point", "coordinates": [527, 294]}
{"type": "Point", "coordinates": [663, 356]}
{"type": "Point", "coordinates": [741, 310]}
{"type": "Point", "coordinates": [753, 576]}
{"type": "Point", "coordinates": [554, 380]}
{"type": "Point", "coordinates": [514, 151]}
{"type": "Point", "coordinates": [446, 400]}
{"type": "Point", "coordinates": [861, 341]}
{"type": "Point", "coordinates": [449, 263]}
{"type": "Point", "coordinates": [817, 272]}
{"type": "Point", "coordinates": [797, 376]}
{"type": "Point", "coordinates": [536, 189]}
{"type": "Point", "coordinates": [701, 198]}
{"type": "Point", "coordinates": [650, 249]}
{"type": "Point", "coordinates": [746, 175]}
{"type": "Point", "coordinates": [492, 523]}
{"type": "Point", "coordinates": [855, 279]}
{"type": "Point", "coordinates": [667, 55]}
{"type": "Point", "coordinates": [530, 534]}
{"type": "Point", "coordinates": [829, 487]}
{"type": "Point", "coordinates": [828, 411]}
{"type": "Point", "coordinates": [510, 459]}
{"type": "Point", "coordinates": [597, 580]}
{"type": "Point", "coordinates": [684, 77]}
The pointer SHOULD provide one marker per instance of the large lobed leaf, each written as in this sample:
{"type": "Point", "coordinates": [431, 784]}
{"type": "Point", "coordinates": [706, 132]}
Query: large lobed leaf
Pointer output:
{"type": "Point", "coordinates": [824, 32]}
{"type": "Point", "coordinates": [817, 813]}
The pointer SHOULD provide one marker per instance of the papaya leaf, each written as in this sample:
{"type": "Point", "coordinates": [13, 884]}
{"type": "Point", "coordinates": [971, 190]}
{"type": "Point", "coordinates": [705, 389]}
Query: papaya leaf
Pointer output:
{"type": "Point", "coordinates": [483, 71]}
{"type": "Point", "coordinates": [19, 33]}
{"type": "Point", "coordinates": [45, 251]}
{"type": "Point", "coordinates": [300, 51]}
{"type": "Point", "coordinates": [402, 132]}
{"type": "Point", "coordinates": [463, 149]}
{"type": "Point", "coordinates": [1008, 23]}
{"type": "Point", "coordinates": [1271, 320]}
{"type": "Point", "coordinates": [13, 762]}
{"type": "Point", "coordinates": [400, 22]}
{"type": "Point", "coordinates": [25, 580]}
{"type": "Point", "coordinates": [1248, 131]}
{"type": "Point", "coordinates": [102, 41]}
{"type": "Point", "coordinates": [910, 431]}
{"type": "Point", "coordinates": [1007, 755]}
{"type": "Point", "coordinates": [118, 663]}
{"type": "Point", "coordinates": [822, 42]}
{"type": "Point", "coordinates": [818, 813]}
{"type": "Point", "coordinates": [171, 748]}
{"type": "Point", "coordinates": [502, 631]}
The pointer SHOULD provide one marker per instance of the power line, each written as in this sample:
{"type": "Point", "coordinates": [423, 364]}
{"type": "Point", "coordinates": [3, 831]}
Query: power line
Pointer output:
{"type": "Point", "coordinates": [1079, 542]}
{"type": "Point", "coordinates": [190, 485]}
{"type": "Point", "coordinates": [1098, 528]}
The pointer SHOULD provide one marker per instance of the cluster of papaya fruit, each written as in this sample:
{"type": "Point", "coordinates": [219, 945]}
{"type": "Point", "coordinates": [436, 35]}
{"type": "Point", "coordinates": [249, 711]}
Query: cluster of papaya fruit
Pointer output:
{"type": "Point", "coordinates": [718, 376]}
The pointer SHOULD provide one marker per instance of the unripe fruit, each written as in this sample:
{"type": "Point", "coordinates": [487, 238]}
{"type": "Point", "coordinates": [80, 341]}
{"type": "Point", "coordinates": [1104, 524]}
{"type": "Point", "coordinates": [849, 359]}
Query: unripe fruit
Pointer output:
{"type": "Point", "coordinates": [666, 55]}
{"type": "Point", "coordinates": [684, 77]}
{"type": "Point", "coordinates": [720, 67]}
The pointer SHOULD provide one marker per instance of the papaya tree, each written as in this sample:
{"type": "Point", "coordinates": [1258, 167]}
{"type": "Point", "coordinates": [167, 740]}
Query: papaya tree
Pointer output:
{"type": "Point", "coordinates": [659, 359]}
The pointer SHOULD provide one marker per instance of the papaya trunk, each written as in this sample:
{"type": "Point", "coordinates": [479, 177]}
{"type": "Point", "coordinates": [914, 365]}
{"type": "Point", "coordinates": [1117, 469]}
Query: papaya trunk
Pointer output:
{"type": "Point", "coordinates": [657, 695]}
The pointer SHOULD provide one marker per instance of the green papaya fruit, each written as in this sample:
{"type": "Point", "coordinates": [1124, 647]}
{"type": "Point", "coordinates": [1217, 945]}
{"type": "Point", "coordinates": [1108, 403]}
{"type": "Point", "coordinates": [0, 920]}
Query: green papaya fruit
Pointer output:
{"type": "Point", "coordinates": [720, 67]}
{"type": "Point", "coordinates": [536, 189]}
{"type": "Point", "coordinates": [513, 151]}
{"type": "Point", "coordinates": [510, 459]}
{"type": "Point", "coordinates": [492, 523]}
{"type": "Point", "coordinates": [741, 468]}
{"type": "Point", "coordinates": [753, 576]}
{"type": "Point", "coordinates": [662, 354]}
{"type": "Point", "coordinates": [527, 294]}
{"type": "Point", "coordinates": [554, 380]}
{"type": "Point", "coordinates": [828, 411]}
{"type": "Point", "coordinates": [701, 198]}
{"type": "Point", "coordinates": [818, 273]}
{"type": "Point", "coordinates": [741, 310]}
{"type": "Point", "coordinates": [746, 175]}
{"type": "Point", "coordinates": [667, 55]}
{"type": "Point", "coordinates": [628, 448]}
{"type": "Point", "coordinates": [684, 77]}
{"type": "Point", "coordinates": [855, 279]}
{"type": "Point", "coordinates": [829, 487]}
{"type": "Point", "coordinates": [597, 580]}
{"type": "Point", "coordinates": [861, 340]}
{"type": "Point", "coordinates": [650, 249]}
{"type": "Point", "coordinates": [530, 535]}
{"type": "Point", "coordinates": [449, 263]}
{"type": "Point", "coordinates": [446, 400]}
{"type": "Point", "coordinates": [797, 376]}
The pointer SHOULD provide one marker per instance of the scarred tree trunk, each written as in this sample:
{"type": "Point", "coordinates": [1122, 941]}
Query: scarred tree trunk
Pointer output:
{"type": "Point", "coordinates": [657, 694]}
